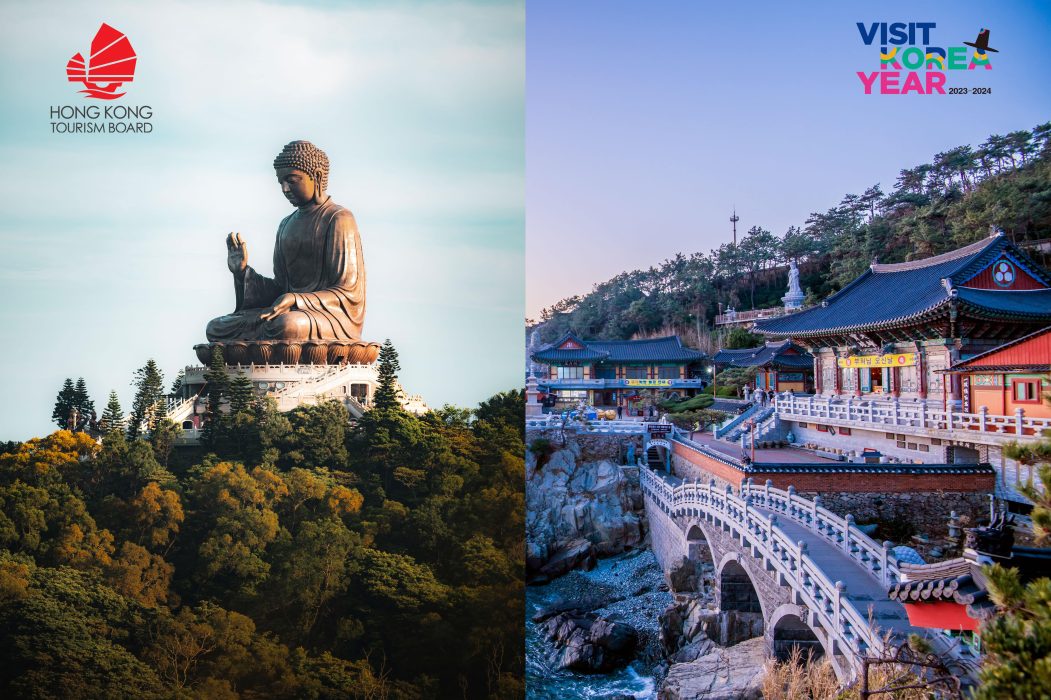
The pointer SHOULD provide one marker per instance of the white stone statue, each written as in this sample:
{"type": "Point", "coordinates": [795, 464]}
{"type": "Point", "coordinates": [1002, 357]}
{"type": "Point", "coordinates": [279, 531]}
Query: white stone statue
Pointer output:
{"type": "Point", "coordinates": [794, 299]}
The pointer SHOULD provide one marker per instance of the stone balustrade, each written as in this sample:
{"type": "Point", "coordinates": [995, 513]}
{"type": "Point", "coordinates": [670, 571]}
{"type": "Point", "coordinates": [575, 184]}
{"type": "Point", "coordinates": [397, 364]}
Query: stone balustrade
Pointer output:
{"type": "Point", "coordinates": [753, 515]}
{"type": "Point", "coordinates": [919, 418]}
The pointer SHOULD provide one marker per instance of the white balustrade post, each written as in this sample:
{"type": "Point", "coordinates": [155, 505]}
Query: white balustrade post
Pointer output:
{"type": "Point", "coordinates": [983, 412]}
{"type": "Point", "coordinates": [846, 533]}
{"type": "Point", "coordinates": [1019, 414]}
{"type": "Point", "coordinates": [769, 483]}
{"type": "Point", "coordinates": [895, 407]}
{"type": "Point", "coordinates": [801, 545]}
{"type": "Point", "coordinates": [850, 406]}
{"type": "Point", "coordinates": [817, 504]}
{"type": "Point", "coordinates": [840, 587]}
{"type": "Point", "coordinates": [884, 563]}
{"type": "Point", "coordinates": [923, 414]}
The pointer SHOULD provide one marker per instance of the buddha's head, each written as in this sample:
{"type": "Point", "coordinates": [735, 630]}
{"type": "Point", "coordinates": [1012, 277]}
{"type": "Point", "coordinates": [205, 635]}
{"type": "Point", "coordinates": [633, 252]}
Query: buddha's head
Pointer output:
{"type": "Point", "coordinates": [302, 171]}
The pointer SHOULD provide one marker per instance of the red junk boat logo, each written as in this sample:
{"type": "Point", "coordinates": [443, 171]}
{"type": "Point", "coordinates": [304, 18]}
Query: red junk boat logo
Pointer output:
{"type": "Point", "coordinates": [110, 65]}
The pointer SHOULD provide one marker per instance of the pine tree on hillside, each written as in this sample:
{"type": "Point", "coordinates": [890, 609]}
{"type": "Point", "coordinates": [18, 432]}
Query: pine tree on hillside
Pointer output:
{"type": "Point", "coordinates": [82, 400]}
{"type": "Point", "coordinates": [217, 386]}
{"type": "Point", "coordinates": [113, 416]}
{"type": "Point", "coordinates": [386, 397]}
{"type": "Point", "coordinates": [64, 404]}
{"type": "Point", "coordinates": [149, 391]}
{"type": "Point", "coordinates": [242, 397]}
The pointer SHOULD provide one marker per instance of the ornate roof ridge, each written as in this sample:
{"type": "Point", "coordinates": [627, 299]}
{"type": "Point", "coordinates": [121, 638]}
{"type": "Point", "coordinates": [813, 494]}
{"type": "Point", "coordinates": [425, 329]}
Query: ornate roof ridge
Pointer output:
{"type": "Point", "coordinates": [966, 252]}
{"type": "Point", "coordinates": [639, 340]}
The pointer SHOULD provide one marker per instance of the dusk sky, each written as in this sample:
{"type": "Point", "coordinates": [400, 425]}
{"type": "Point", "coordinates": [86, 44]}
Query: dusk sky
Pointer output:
{"type": "Point", "coordinates": [112, 246]}
{"type": "Point", "coordinates": [648, 122]}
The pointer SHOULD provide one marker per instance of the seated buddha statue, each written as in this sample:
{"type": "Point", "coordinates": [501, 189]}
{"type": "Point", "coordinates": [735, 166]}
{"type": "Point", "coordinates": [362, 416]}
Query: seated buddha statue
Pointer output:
{"type": "Point", "coordinates": [317, 292]}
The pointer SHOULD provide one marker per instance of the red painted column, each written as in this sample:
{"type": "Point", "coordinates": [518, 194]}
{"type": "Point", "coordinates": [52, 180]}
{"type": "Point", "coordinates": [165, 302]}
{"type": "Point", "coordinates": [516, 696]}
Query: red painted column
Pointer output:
{"type": "Point", "coordinates": [895, 381]}
{"type": "Point", "coordinates": [857, 381]}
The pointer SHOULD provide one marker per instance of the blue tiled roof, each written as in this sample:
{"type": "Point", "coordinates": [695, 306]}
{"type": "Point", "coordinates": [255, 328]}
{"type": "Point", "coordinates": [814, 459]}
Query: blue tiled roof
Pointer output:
{"type": "Point", "coordinates": [668, 349]}
{"type": "Point", "coordinates": [888, 295]}
{"type": "Point", "coordinates": [1035, 303]}
{"type": "Point", "coordinates": [726, 356]}
{"type": "Point", "coordinates": [770, 354]}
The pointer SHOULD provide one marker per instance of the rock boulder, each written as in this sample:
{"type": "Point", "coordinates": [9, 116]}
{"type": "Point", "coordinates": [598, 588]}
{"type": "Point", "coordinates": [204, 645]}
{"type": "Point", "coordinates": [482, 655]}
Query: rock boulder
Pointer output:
{"type": "Point", "coordinates": [571, 497]}
{"type": "Point", "coordinates": [586, 643]}
{"type": "Point", "coordinates": [722, 674]}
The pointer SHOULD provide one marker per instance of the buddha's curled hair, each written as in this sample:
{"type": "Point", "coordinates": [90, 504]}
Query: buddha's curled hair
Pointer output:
{"type": "Point", "coordinates": [305, 156]}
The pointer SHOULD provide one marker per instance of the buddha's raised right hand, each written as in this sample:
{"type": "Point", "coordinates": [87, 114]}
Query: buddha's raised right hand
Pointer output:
{"type": "Point", "coordinates": [236, 254]}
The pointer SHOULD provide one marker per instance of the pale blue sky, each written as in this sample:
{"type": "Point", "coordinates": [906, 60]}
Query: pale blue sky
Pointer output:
{"type": "Point", "coordinates": [112, 246]}
{"type": "Point", "coordinates": [648, 122]}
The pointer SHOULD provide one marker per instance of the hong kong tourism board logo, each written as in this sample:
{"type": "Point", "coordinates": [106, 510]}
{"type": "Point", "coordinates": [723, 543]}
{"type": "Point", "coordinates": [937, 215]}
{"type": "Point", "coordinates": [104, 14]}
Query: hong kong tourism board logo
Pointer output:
{"type": "Point", "coordinates": [910, 61]}
{"type": "Point", "coordinates": [110, 64]}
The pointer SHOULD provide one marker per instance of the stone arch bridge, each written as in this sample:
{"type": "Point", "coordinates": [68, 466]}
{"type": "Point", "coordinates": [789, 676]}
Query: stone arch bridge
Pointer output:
{"type": "Point", "coordinates": [817, 581]}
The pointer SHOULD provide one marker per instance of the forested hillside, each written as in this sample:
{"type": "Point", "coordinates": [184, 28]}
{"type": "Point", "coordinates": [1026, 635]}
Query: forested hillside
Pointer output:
{"type": "Point", "coordinates": [299, 557]}
{"type": "Point", "coordinates": [934, 207]}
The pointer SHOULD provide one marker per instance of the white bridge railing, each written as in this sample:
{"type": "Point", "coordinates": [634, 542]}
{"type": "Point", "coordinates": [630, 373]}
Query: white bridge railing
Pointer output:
{"type": "Point", "coordinates": [915, 418]}
{"type": "Point", "coordinates": [848, 627]}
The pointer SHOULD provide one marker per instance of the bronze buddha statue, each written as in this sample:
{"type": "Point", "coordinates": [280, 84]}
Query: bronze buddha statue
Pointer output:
{"type": "Point", "coordinates": [313, 308]}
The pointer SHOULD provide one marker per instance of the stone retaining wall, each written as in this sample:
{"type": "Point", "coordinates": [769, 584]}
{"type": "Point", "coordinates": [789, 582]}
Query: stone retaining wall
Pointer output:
{"type": "Point", "coordinates": [666, 538]}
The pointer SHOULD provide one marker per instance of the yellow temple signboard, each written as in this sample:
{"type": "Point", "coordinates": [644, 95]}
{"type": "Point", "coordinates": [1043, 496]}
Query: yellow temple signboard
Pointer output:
{"type": "Point", "coordinates": [648, 382]}
{"type": "Point", "coordinates": [907, 359]}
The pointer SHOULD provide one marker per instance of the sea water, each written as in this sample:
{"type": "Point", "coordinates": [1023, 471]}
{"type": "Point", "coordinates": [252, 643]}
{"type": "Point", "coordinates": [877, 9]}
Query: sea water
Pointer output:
{"type": "Point", "coordinates": [544, 681]}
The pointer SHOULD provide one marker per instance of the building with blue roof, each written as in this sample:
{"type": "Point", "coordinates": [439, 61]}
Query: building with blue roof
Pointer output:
{"type": "Point", "coordinates": [624, 374]}
{"type": "Point", "coordinates": [780, 365]}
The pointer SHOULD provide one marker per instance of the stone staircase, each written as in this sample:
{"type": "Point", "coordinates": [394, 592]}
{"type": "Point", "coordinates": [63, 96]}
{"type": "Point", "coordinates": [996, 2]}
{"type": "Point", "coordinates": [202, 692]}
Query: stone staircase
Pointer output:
{"type": "Point", "coordinates": [761, 415]}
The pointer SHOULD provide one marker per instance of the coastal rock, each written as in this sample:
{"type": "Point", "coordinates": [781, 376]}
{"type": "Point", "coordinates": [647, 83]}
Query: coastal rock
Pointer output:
{"type": "Point", "coordinates": [686, 577]}
{"type": "Point", "coordinates": [588, 643]}
{"type": "Point", "coordinates": [571, 497]}
{"type": "Point", "coordinates": [722, 674]}
{"type": "Point", "coordinates": [685, 622]}
{"type": "Point", "coordinates": [578, 553]}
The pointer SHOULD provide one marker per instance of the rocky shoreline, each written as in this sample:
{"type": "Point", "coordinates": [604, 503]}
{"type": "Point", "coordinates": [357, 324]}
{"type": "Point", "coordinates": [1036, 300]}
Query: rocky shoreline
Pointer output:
{"type": "Point", "coordinates": [627, 589]}
{"type": "Point", "coordinates": [603, 620]}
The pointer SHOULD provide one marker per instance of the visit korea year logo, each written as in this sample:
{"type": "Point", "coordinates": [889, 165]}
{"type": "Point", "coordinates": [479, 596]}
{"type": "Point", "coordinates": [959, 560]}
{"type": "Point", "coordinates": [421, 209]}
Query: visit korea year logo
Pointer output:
{"type": "Point", "coordinates": [110, 64]}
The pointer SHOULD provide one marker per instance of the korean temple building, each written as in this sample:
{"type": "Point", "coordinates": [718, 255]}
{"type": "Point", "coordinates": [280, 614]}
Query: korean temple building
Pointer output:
{"type": "Point", "coordinates": [780, 365]}
{"type": "Point", "coordinates": [940, 360]}
{"type": "Point", "coordinates": [628, 374]}
{"type": "Point", "coordinates": [1016, 375]}
{"type": "Point", "coordinates": [897, 327]}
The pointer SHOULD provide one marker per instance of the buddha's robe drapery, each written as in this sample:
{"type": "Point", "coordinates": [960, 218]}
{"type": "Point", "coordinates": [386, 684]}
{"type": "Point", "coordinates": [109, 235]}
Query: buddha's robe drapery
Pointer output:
{"type": "Point", "coordinates": [317, 257]}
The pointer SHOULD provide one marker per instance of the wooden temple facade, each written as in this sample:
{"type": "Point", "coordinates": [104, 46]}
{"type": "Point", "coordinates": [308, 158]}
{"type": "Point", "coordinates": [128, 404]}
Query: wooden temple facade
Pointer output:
{"type": "Point", "coordinates": [897, 328]}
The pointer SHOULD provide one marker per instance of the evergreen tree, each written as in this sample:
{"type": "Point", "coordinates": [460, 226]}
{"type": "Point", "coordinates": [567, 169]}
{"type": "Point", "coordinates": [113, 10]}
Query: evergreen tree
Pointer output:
{"type": "Point", "coordinates": [177, 384]}
{"type": "Point", "coordinates": [82, 400]}
{"type": "Point", "coordinates": [113, 416]}
{"type": "Point", "coordinates": [386, 397]}
{"type": "Point", "coordinates": [163, 437]}
{"type": "Point", "coordinates": [242, 397]}
{"type": "Point", "coordinates": [1017, 641]}
{"type": "Point", "coordinates": [216, 387]}
{"type": "Point", "coordinates": [65, 402]}
{"type": "Point", "coordinates": [149, 391]}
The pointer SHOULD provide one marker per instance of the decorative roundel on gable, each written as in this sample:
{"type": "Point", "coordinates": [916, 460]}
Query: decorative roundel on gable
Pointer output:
{"type": "Point", "coordinates": [1004, 274]}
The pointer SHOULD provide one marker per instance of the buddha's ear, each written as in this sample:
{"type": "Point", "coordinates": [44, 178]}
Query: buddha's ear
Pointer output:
{"type": "Point", "coordinates": [319, 191]}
